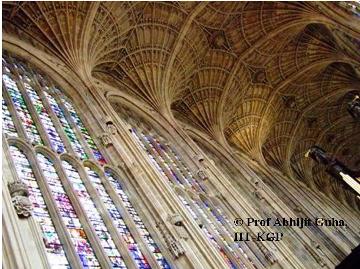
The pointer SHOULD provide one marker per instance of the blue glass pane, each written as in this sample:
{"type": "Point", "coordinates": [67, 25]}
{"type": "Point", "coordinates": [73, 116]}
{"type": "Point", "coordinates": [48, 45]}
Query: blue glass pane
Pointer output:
{"type": "Point", "coordinates": [54, 249]}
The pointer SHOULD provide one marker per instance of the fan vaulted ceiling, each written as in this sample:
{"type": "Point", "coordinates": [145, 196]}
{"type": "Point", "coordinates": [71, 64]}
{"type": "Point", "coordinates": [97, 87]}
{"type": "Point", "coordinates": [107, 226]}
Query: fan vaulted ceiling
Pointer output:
{"type": "Point", "coordinates": [270, 78]}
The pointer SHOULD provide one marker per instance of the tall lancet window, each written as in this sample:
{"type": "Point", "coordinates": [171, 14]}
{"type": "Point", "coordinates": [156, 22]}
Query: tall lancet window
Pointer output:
{"type": "Point", "coordinates": [165, 158]}
{"type": "Point", "coordinates": [79, 200]}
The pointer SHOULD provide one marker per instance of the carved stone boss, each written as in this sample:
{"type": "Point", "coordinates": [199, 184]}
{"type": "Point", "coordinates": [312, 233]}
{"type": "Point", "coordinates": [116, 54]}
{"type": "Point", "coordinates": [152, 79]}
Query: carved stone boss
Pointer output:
{"type": "Point", "coordinates": [20, 198]}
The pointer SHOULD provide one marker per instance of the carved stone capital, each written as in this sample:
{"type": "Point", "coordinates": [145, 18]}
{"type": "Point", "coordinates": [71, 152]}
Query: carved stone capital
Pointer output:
{"type": "Point", "coordinates": [111, 129]}
{"type": "Point", "coordinates": [177, 221]}
{"type": "Point", "coordinates": [200, 158]}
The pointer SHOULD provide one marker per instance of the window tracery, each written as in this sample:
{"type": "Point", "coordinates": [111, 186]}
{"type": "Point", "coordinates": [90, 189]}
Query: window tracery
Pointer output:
{"type": "Point", "coordinates": [73, 201]}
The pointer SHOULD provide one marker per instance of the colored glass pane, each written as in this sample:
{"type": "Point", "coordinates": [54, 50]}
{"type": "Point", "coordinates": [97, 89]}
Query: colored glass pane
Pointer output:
{"type": "Point", "coordinates": [118, 221]}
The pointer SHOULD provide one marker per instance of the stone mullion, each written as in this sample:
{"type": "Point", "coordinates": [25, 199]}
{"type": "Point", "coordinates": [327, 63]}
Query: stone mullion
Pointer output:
{"type": "Point", "coordinates": [207, 225]}
{"type": "Point", "coordinates": [53, 117]}
{"type": "Point", "coordinates": [15, 118]}
{"type": "Point", "coordinates": [225, 234]}
{"type": "Point", "coordinates": [112, 229]}
{"type": "Point", "coordinates": [73, 126]}
{"type": "Point", "coordinates": [82, 215]}
{"type": "Point", "coordinates": [55, 215]}
{"type": "Point", "coordinates": [129, 222]}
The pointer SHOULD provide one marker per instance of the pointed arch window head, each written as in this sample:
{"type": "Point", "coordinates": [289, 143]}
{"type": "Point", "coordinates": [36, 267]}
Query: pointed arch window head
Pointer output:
{"type": "Point", "coordinates": [78, 209]}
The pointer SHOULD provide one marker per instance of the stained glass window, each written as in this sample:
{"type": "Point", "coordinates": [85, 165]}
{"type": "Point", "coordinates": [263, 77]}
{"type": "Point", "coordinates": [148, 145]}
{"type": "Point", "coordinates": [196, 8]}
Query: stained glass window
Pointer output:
{"type": "Point", "coordinates": [118, 220]}
{"type": "Point", "coordinates": [170, 164]}
{"type": "Point", "coordinates": [138, 222]}
{"type": "Point", "coordinates": [83, 130]}
{"type": "Point", "coordinates": [75, 143]}
{"type": "Point", "coordinates": [68, 214]}
{"type": "Point", "coordinates": [46, 115]}
{"type": "Point", "coordinates": [94, 217]}
{"type": "Point", "coordinates": [46, 121]}
{"type": "Point", "coordinates": [53, 246]}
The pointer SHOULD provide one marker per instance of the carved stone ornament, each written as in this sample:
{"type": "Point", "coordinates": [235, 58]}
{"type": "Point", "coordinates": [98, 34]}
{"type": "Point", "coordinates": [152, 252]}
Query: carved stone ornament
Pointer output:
{"type": "Point", "coordinates": [106, 139]}
{"type": "Point", "coordinates": [22, 205]}
{"type": "Point", "coordinates": [259, 191]}
{"type": "Point", "coordinates": [354, 108]}
{"type": "Point", "coordinates": [111, 128]}
{"type": "Point", "coordinates": [172, 244]}
{"type": "Point", "coordinates": [202, 174]}
{"type": "Point", "coordinates": [177, 221]}
{"type": "Point", "coordinates": [19, 196]}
